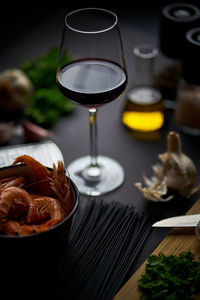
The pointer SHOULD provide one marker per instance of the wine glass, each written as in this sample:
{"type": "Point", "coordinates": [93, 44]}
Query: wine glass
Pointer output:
{"type": "Point", "coordinates": [91, 74]}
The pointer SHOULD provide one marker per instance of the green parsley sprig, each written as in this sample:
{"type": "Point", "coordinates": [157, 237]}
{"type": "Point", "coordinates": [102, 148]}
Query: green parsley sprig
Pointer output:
{"type": "Point", "coordinates": [170, 277]}
{"type": "Point", "coordinates": [47, 103]}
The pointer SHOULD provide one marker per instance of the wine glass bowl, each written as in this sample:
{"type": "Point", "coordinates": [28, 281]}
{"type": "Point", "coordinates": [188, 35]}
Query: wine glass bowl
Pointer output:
{"type": "Point", "coordinates": [93, 75]}
{"type": "Point", "coordinates": [91, 82]}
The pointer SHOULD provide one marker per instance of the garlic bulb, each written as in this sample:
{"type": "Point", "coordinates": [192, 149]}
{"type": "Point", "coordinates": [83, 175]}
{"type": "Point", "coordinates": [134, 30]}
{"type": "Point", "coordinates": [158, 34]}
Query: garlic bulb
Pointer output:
{"type": "Point", "coordinates": [177, 172]}
{"type": "Point", "coordinates": [15, 89]}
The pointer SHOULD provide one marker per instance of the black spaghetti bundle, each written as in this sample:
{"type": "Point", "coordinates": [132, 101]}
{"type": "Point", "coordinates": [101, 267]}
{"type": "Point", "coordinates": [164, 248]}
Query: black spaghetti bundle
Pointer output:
{"type": "Point", "coordinates": [102, 249]}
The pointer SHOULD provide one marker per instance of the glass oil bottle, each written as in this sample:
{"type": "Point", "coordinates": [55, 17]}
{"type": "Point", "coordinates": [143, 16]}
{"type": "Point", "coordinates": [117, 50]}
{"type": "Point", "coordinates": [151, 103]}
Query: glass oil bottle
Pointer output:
{"type": "Point", "coordinates": [143, 111]}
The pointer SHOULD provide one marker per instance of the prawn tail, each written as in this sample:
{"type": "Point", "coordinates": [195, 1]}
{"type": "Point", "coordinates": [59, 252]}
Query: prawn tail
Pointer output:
{"type": "Point", "coordinates": [61, 186]}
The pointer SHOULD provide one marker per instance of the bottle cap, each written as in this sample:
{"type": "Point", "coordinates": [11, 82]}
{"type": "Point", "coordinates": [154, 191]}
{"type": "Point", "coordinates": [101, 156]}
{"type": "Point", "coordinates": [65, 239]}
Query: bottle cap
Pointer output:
{"type": "Point", "coordinates": [176, 20]}
{"type": "Point", "coordinates": [190, 59]}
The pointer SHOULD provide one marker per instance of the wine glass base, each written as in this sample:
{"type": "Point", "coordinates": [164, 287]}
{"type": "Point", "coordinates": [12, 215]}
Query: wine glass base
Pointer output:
{"type": "Point", "coordinates": [96, 181]}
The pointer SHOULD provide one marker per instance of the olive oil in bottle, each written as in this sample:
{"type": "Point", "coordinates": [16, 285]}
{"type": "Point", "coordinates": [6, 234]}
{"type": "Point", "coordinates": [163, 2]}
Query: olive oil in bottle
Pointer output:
{"type": "Point", "coordinates": [144, 108]}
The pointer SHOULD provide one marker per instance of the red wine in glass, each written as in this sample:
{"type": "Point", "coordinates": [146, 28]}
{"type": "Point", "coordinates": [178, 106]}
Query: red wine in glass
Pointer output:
{"type": "Point", "coordinates": [91, 82]}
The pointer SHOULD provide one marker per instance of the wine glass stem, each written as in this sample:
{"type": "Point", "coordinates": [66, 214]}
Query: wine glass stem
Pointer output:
{"type": "Point", "coordinates": [93, 170]}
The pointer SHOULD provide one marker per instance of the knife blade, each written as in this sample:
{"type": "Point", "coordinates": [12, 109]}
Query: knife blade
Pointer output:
{"type": "Point", "coordinates": [179, 221]}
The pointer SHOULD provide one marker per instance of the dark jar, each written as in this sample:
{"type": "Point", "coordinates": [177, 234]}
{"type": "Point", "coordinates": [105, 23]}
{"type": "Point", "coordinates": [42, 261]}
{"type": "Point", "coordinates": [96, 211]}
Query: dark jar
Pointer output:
{"type": "Point", "coordinates": [175, 20]}
{"type": "Point", "coordinates": [187, 112]}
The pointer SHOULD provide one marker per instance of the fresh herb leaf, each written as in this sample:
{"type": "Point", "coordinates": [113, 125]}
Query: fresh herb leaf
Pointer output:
{"type": "Point", "coordinates": [47, 103]}
{"type": "Point", "coordinates": [170, 277]}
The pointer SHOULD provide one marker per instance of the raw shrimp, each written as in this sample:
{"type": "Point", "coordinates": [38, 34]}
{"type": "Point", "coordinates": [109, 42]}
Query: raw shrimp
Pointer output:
{"type": "Point", "coordinates": [39, 169]}
{"type": "Point", "coordinates": [45, 208]}
{"type": "Point", "coordinates": [12, 227]}
{"type": "Point", "coordinates": [23, 213]}
{"type": "Point", "coordinates": [12, 181]}
{"type": "Point", "coordinates": [41, 172]}
{"type": "Point", "coordinates": [14, 201]}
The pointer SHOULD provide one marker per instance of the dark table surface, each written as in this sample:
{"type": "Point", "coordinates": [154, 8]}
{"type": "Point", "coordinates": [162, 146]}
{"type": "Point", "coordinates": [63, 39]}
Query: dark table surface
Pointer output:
{"type": "Point", "coordinates": [31, 34]}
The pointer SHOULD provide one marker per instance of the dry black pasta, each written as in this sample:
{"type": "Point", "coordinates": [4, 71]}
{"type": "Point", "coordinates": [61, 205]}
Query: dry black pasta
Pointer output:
{"type": "Point", "coordinates": [104, 243]}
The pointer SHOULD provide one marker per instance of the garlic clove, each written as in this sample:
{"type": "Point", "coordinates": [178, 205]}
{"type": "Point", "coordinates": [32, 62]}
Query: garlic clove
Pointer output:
{"type": "Point", "coordinates": [35, 133]}
{"type": "Point", "coordinates": [154, 191]}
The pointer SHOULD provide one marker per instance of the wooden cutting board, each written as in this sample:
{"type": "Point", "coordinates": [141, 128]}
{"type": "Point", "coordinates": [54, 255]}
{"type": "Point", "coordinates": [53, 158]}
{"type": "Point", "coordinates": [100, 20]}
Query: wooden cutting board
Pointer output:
{"type": "Point", "coordinates": [180, 239]}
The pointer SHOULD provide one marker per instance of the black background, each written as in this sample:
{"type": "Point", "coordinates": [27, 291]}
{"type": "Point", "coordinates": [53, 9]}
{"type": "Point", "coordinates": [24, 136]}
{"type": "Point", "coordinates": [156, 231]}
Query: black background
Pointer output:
{"type": "Point", "coordinates": [31, 29]}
